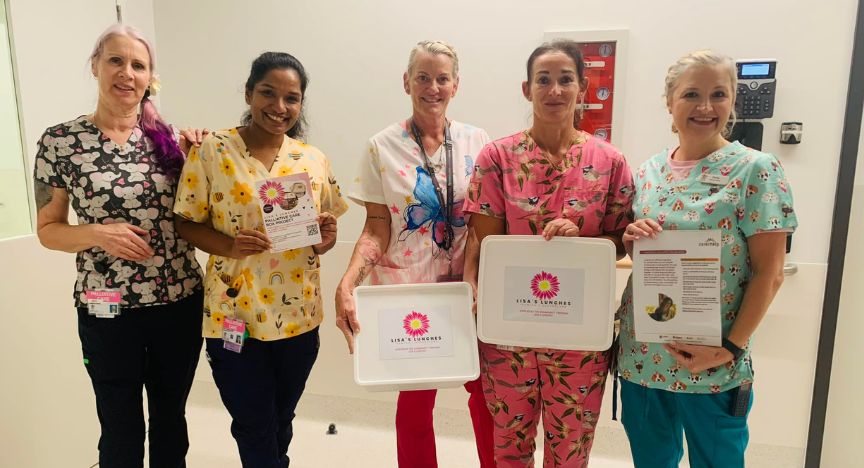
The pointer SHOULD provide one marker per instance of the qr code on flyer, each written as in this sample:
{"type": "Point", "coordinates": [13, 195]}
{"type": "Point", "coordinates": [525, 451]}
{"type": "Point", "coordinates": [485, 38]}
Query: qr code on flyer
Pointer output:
{"type": "Point", "coordinates": [312, 230]}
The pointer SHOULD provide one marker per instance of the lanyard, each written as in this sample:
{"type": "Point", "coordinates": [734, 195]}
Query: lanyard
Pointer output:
{"type": "Point", "coordinates": [448, 205]}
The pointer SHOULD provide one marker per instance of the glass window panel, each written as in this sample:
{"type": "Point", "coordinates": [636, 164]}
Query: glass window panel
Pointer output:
{"type": "Point", "coordinates": [14, 191]}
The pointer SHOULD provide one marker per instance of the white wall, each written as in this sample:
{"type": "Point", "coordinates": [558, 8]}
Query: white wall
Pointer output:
{"type": "Point", "coordinates": [356, 53]}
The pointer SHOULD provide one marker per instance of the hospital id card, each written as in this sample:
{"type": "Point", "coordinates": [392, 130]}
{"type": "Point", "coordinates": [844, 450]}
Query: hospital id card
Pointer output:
{"type": "Point", "coordinates": [103, 303]}
{"type": "Point", "coordinates": [233, 334]}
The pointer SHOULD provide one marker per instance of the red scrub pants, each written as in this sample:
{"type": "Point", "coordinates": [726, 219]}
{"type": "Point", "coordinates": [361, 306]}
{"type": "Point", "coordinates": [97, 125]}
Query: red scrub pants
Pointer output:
{"type": "Point", "coordinates": [415, 436]}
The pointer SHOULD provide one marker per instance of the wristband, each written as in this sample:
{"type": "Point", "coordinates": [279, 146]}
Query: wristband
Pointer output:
{"type": "Point", "coordinates": [733, 348]}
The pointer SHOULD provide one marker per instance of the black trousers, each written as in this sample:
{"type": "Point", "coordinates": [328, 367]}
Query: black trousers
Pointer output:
{"type": "Point", "coordinates": [154, 348]}
{"type": "Point", "coordinates": [260, 387]}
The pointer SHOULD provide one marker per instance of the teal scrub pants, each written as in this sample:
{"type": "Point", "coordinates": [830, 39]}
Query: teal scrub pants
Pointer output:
{"type": "Point", "coordinates": [656, 419]}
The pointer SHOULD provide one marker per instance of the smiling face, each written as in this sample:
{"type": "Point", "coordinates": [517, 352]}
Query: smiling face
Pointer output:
{"type": "Point", "coordinates": [275, 101]}
{"type": "Point", "coordinates": [701, 103]}
{"type": "Point", "coordinates": [554, 88]}
{"type": "Point", "coordinates": [123, 71]}
{"type": "Point", "coordinates": [431, 83]}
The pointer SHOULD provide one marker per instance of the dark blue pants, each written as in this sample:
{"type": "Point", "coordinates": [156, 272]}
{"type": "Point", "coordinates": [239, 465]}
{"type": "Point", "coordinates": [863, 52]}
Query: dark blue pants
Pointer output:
{"type": "Point", "coordinates": [260, 387]}
{"type": "Point", "coordinates": [656, 419]}
{"type": "Point", "coordinates": [156, 348]}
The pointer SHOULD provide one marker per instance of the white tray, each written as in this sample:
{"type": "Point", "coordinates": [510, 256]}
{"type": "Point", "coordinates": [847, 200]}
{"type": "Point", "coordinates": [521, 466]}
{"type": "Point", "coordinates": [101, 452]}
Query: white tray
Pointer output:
{"type": "Point", "coordinates": [433, 355]}
{"type": "Point", "coordinates": [578, 316]}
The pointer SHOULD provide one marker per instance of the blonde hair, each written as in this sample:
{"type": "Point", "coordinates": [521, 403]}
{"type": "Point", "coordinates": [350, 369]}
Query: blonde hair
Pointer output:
{"type": "Point", "coordinates": [703, 58]}
{"type": "Point", "coordinates": [124, 30]}
{"type": "Point", "coordinates": [433, 47]}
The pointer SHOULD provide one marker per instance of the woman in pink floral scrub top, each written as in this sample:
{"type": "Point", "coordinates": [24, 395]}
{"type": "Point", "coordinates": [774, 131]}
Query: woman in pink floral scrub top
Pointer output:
{"type": "Point", "coordinates": [556, 180]}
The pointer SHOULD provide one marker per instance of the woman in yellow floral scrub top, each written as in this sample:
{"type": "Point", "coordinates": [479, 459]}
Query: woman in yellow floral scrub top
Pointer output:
{"type": "Point", "coordinates": [277, 296]}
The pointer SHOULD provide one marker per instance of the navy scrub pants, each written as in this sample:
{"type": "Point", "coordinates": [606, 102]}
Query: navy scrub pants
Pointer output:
{"type": "Point", "coordinates": [260, 387]}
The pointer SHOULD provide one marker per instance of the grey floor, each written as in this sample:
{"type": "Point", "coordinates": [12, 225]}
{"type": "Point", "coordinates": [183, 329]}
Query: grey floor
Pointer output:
{"type": "Point", "coordinates": [366, 439]}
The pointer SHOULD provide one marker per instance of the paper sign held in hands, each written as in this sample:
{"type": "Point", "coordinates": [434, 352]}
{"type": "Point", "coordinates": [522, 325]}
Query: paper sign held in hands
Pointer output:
{"type": "Point", "coordinates": [289, 213]}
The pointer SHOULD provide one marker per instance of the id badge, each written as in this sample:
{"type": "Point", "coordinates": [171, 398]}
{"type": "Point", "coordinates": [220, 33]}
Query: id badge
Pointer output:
{"type": "Point", "coordinates": [103, 303]}
{"type": "Point", "coordinates": [713, 179]}
{"type": "Point", "coordinates": [449, 278]}
{"type": "Point", "coordinates": [233, 334]}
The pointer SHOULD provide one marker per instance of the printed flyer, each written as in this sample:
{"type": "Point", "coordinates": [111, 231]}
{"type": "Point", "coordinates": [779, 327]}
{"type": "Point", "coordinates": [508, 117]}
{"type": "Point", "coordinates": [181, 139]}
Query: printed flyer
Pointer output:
{"type": "Point", "coordinates": [290, 217]}
{"type": "Point", "coordinates": [676, 287]}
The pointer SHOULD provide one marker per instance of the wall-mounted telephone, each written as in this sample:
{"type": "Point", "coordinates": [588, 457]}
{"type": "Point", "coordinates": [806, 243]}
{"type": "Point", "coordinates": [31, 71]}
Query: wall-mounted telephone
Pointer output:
{"type": "Point", "coordinates": [757, 86]}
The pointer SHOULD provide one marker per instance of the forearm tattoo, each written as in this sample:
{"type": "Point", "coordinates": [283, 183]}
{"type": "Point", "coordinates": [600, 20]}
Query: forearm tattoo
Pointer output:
{"type": "Point", "coordinates": [361, 275]}
{"type": "Point", "coordinates": [370, 252]}
{"type": "Point", "coordinates": [43, 193]}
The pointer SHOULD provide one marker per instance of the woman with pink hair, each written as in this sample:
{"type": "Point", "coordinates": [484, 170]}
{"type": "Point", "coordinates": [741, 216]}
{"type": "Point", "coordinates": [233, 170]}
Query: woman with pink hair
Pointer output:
{"type": "Point", "coordinates": [138, 292]}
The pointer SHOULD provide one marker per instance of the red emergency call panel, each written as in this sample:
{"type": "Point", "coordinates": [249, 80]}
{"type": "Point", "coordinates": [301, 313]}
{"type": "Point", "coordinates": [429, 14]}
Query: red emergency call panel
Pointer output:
{"type": "Point", "coordinates": [600, 70]}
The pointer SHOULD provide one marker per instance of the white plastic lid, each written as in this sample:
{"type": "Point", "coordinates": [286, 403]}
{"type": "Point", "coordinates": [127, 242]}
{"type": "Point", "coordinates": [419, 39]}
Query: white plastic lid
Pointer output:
{"type": "Point", "coordinates": [555, 294]}
{"type": "Point", "coordinates": [415, 336]}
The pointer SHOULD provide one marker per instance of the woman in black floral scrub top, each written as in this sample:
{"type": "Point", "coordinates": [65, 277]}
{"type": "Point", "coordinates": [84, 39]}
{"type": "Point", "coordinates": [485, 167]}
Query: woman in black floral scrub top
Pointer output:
{"type": "Point", "coordinates": [138, 291]}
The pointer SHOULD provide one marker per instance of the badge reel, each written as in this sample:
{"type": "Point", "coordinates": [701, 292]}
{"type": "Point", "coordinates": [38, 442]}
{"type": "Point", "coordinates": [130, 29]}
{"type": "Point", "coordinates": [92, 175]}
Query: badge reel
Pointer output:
{"type": "Point", "coordinates": [446, 202]}
{"type": "Point", "coordinates": [103, 302]}
{"type": "Point", "coordinates": [234, 331]}
{"type": "Point", "coordinates": [449, 277]}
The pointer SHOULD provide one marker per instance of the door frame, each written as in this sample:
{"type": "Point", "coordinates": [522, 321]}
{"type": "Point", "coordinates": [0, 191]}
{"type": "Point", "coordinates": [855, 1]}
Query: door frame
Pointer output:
{"type": "Point", "coordinates": [837, 251]}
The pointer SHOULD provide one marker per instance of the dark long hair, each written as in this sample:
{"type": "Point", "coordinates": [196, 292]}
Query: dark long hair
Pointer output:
{"type": "Point", "coordinates": [279, 61]}
{"type": "Point", "coordinates": [168, 157]}
{"type": "Point", "coordinates": [572, 50]}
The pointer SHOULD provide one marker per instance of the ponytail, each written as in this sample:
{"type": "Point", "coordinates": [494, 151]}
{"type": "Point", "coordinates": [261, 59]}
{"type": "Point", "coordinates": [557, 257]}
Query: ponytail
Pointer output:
{"type": "Point", "coordinates": [169, 158]}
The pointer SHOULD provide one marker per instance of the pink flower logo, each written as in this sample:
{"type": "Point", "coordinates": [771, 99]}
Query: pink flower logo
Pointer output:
{"type": "Point", "coordinates": [416, 324]}
{"type": "Point", "coordinates": [272, 193]}
{"type": "Point", "coordinates": [545, 285]}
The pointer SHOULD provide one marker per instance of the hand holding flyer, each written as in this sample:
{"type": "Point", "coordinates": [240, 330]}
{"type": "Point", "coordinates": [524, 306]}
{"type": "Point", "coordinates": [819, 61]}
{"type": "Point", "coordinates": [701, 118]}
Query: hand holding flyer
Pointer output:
{"type": "Point", "coordinates": [289, 213]}
{"type": "Point", "coordinates": [676, 287]}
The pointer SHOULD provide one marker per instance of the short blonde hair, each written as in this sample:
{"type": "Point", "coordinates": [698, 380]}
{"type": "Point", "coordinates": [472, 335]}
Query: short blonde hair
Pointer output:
{"type": "Point", "coordinates": [704, 58]}
{"type": "Point", "coordinates": [433, 47]}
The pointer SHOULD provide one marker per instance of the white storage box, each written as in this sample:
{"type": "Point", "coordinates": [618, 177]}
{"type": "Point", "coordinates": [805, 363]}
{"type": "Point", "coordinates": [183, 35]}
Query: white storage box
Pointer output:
{"type": "Point", "coordinates": [547, 294]}
{"type": "Point", "coordinates": [415, 336]}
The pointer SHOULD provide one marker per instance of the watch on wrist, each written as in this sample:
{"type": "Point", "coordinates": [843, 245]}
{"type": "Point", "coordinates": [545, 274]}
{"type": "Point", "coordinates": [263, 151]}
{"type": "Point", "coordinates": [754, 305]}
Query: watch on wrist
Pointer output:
{"type": "Point", "coordinates": [733, 348]}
